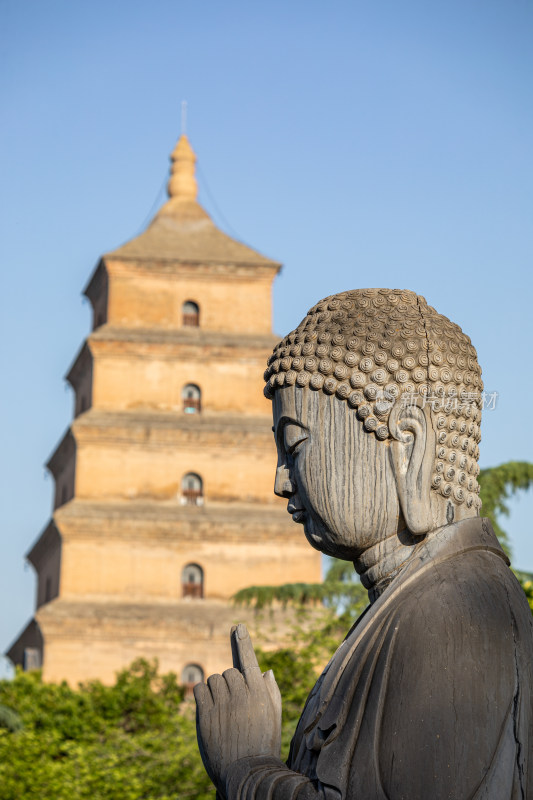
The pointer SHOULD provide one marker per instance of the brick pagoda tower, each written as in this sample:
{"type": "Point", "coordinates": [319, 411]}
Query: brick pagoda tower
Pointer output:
{"type": "Point", "coordinates": [163, 503]}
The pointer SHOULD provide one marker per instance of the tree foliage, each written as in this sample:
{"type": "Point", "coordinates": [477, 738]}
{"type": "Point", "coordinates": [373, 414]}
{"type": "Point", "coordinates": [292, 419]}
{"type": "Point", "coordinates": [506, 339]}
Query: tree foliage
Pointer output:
{"type": "Point", "coordinates": [9, 719]}
{"type": "Point", "coordinates": [498, 484]}
{"type": "Point", "coordinates": [526, 581]}
{"type": "Point", "coordinates": [527, 586]}
{"type": "Point", "coordinates": [341, 589]}
{"type": "Point", "coordinates": [135, 740]}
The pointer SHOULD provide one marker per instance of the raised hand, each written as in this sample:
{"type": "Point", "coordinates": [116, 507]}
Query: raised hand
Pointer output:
{"type": "Point", "coordinates": [238, 713]}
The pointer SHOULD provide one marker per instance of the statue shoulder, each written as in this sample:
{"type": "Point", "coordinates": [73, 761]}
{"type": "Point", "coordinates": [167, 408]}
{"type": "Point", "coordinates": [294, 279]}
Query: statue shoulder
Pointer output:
{"type": "Point", "coordinates": [461, 609]}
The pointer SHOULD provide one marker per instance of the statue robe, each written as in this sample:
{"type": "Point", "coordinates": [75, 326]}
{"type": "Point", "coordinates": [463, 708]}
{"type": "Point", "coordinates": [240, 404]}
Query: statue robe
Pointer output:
{"type": "Point", "coordinates": [429, 697]}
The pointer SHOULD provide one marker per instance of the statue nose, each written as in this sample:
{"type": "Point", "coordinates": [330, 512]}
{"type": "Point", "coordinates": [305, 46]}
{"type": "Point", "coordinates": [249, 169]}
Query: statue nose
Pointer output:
{"type": "Point", "coordinates": [283, 486]}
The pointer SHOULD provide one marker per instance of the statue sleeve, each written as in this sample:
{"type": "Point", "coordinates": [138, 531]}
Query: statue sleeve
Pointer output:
{"type": "Point", "coordinates": [268, 778]}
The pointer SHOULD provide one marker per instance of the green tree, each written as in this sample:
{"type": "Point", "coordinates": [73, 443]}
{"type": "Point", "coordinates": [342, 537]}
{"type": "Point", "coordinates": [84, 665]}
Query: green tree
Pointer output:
{"type": "Point", "coordinates": [498, 485]}
{"type": "Point", "coordinates": [135, 740]}
{"type": "Point", "coordinates": [527, 585]}
{"type": "Point", "coordinates": [341, 588]}
{"type": "Point", "coordinates": [9, 719]}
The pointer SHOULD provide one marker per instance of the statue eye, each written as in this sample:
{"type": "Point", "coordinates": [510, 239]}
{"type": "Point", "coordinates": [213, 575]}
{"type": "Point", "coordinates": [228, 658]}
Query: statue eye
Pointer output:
{"type": "Point", "coordinates": [293, 436]}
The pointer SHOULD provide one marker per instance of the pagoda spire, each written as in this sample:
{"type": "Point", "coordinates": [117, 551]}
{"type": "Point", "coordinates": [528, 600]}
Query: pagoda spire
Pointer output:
{"type": "Point", "coordinates": [182, 185]}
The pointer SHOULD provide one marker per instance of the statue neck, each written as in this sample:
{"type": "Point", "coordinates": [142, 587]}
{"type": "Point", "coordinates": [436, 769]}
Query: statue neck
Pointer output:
{"type": "Point", "coordinates": [379, 564]}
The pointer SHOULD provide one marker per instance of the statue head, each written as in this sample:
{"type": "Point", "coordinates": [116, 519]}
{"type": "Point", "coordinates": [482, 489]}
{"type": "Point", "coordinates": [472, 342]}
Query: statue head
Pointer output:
{"type": "Point", "coordinates": [377, 410]}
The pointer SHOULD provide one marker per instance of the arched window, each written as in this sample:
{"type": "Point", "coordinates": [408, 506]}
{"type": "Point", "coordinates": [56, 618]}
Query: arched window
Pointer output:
{"type": "Point", "coordinates": [32, 659]}
{"type": "Point", "coordinates": [192, 398]}
{"type": "Point", "coordinates": [192, 492]}
{"type": "Point", "coordinates": [191, 675]}
{"type": "Point", "coordinates": [190, 312]}
{"type": "Point", "coordinates": [192, 581]}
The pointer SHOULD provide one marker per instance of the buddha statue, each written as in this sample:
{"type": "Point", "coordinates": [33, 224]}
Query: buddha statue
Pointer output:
{"type": "Point", "coordinates": [377, 404]}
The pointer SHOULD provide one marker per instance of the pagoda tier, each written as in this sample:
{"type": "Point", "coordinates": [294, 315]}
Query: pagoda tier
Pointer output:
{"type": "Point", "coordinates": [86, 638]}
{"type": "Point", "coordinates": [130, 456]}
{"type": "Point", "coordinates": [122, 551]}
{"type": "Point", "coordinates": [128, 369]}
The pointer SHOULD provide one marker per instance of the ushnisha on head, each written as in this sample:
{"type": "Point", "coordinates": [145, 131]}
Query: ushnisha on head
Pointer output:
{"type": "Point", "coordinates": [391, 358]}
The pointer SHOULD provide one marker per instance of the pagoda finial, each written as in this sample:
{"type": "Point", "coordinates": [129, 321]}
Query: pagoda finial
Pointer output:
{"type": "Point", "coordinates": [183, 117]}
{"type": "Point", "coordinates": [182, 184]}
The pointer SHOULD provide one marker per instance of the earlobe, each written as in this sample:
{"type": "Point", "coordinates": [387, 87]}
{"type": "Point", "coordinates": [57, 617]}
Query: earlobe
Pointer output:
{"type": "Point", "coordinates": [412, 453]}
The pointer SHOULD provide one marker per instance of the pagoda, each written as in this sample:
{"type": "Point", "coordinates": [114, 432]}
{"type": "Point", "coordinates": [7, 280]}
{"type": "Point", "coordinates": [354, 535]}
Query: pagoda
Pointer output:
{"type": "Point", "coordinates": [163, 505]}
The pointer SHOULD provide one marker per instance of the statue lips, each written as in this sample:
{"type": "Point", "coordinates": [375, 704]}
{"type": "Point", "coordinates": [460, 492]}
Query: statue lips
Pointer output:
{"type": "Point", "coordinates": [297, 513]}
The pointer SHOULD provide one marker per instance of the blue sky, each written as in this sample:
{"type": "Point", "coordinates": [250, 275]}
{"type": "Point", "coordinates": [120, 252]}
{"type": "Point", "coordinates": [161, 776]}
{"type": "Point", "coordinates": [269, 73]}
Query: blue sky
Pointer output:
{"type": "Point", "coordinates": [361, 144]}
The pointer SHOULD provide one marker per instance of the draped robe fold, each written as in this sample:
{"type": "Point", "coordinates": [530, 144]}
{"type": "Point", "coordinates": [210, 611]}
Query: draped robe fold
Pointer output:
{"type": "Point", "coordinates": [429, 697]}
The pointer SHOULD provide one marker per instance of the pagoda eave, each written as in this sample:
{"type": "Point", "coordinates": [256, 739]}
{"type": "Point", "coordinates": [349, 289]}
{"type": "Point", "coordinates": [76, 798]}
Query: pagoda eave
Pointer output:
{"type": "Point", "coordinates": [30, 637]}
{"type": "Point", "coordinates": [62, 454]}
{"type": "Point", "coordinates": [187, 267]}
{"type": "Point", "coordinates": [172, 522]}
{"type": "Point", "coordinates": [46, 541]}
{"type": "Point", "coordinates": [194, 337]}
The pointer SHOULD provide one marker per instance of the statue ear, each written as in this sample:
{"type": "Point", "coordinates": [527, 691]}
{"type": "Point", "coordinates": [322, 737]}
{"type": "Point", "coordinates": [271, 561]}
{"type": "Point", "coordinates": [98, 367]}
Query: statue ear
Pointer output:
{"type": "Point", "coordinates": [412, 455]}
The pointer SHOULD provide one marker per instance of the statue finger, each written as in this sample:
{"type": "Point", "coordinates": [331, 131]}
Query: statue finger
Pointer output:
{"type": "Point", "coordinates": [244, 657]}
{"type": "Point", "coordinates": [218, 688]}
{"type": "Point", "coordinates": [234, 681]}
{"type": "Point", "coordinates": [234, 651]}
{"type": "Point", "coordinates": [203, 697]}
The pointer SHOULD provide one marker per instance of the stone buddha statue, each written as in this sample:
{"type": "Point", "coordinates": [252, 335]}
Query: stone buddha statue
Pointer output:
{"type": "Point", "coordinates": [377, 408]}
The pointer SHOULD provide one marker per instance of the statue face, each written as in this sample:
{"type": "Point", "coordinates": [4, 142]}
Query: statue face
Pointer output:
{"type": "Point", "coordinates": [337, 479]}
